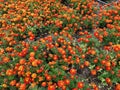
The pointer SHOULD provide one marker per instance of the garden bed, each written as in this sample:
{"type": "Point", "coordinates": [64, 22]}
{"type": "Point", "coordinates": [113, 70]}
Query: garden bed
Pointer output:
{"type": "Point", "coordinates": [59, 45]}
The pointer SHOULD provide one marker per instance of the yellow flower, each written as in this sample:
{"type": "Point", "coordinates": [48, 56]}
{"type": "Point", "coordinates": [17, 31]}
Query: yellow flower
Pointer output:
{"type": "Point", "coordinates": [4, 85]}
{"type": "Point", "coordinates": [34, 75]}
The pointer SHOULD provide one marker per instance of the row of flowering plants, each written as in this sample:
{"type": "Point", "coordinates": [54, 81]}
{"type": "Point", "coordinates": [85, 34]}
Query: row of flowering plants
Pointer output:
{"type": "Point", "coordinates": [49, 44]}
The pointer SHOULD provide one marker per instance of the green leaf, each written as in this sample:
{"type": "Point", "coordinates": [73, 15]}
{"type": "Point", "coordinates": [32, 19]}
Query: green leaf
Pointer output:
{"type": "Point", "coordinates": [21, 80]}
{"type": "Point", "coordinates": [41, 88]}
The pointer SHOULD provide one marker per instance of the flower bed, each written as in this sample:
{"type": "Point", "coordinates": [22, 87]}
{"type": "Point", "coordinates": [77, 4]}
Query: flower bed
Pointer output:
{"type": "Point", "coordinates": [48, 45]}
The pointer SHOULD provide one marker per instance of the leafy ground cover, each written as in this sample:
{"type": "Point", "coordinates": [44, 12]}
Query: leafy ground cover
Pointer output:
{"type": "Point", "coordinates": [59, 45]}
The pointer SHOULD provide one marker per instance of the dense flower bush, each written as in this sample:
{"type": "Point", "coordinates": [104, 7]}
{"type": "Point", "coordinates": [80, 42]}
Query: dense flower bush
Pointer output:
{"type": "Point", "coordinates": [59, 45]}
